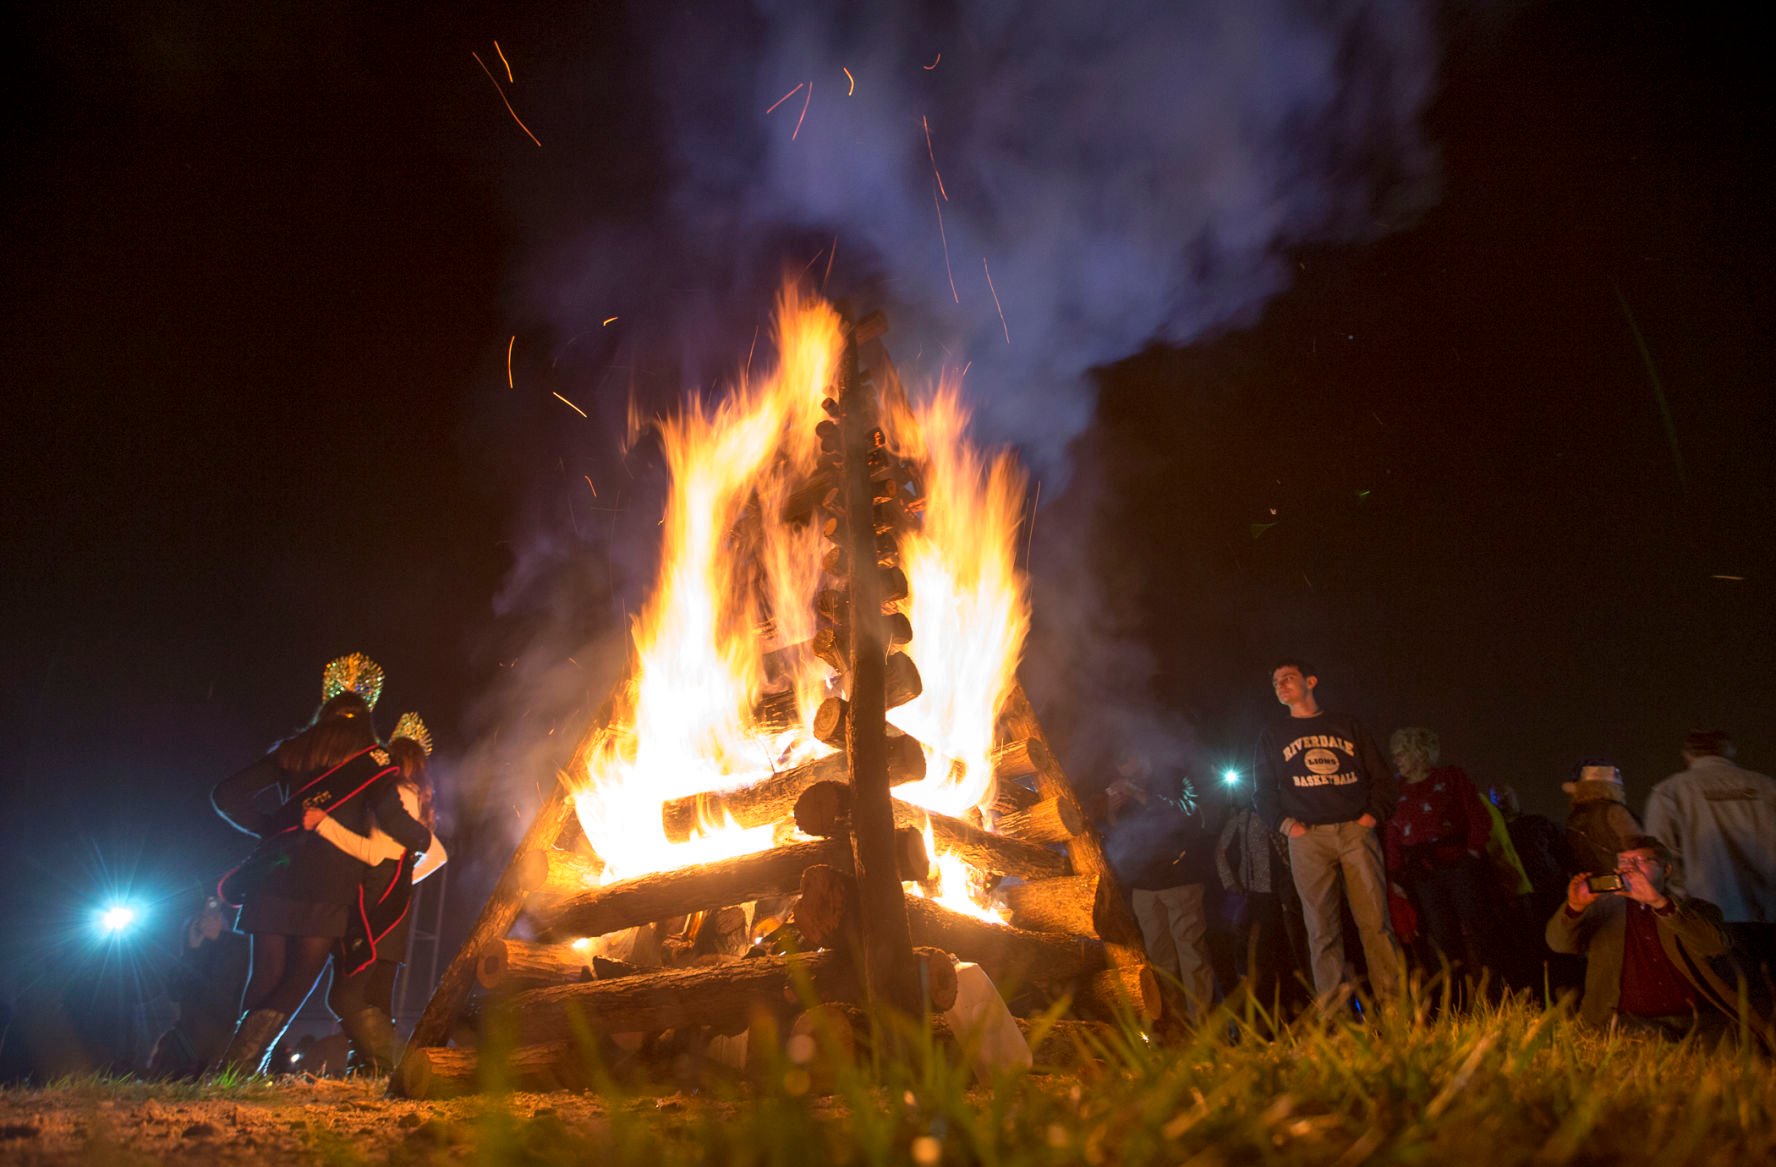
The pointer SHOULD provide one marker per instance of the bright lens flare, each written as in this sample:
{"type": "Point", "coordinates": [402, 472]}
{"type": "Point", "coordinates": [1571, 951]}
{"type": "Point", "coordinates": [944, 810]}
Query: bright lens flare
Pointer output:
{"type": "Point", "coordinates": [117, 919]}
{"type": "Point", "coordinates": [1231, 777]}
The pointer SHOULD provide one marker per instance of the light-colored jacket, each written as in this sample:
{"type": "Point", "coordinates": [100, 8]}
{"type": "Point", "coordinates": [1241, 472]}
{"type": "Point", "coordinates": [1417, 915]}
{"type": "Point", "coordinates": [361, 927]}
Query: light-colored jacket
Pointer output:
{"type": "Point", "coordinates": [1721, 820]}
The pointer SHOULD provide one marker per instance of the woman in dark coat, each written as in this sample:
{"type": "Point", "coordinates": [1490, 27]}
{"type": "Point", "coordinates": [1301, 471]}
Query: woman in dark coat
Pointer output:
{"type": "Point", "coordinates": [295, 888]}
{"type": "Point", "coordinates": [367, 960]}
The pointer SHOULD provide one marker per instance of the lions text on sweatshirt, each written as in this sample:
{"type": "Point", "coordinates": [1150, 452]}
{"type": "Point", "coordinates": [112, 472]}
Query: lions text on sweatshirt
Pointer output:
{"type": "Point", "coordinates": [1321, 769]}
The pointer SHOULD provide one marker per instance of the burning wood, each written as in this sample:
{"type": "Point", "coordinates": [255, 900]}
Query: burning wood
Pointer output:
{"type": "Point", "coordinates": [773, 798]}
{"type": "Point", "coordinates": [666, 894]}
{"type": "Point", "coordinates": [756, 619]}
{"type": "Point", "coordinates": [825, 809]}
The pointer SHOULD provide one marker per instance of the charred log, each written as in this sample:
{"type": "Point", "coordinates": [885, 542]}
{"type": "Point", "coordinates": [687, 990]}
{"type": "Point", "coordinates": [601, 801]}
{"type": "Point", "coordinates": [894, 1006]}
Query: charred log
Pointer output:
{"type": "Point", "coordinates": [824, 809]}
{"type": "Point", "coordinates": [663, 895]}
{"type": "Point", "coordinates": [773, 798]}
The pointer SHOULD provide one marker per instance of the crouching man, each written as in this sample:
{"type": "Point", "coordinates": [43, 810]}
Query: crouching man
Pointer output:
{"type": "Point", "coordinates": [1647, 948]}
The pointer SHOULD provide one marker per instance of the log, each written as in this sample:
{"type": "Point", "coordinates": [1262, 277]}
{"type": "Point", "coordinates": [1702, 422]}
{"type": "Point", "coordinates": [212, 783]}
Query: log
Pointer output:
{"type": "Point", "coordinates": [556, 872]}
{"type": "Point", "coordinates": [1065, 904]}
{"type": "Point", "coordinates": [882, 919]}
{"type": "Point", "coordinates": [1121, 989]}
{"type": "Point", "coordinates": [1020, 759]}
{"type": "Point", "coordinates": [718, 995]}
{"type": "Point", "coordinates": [827, 907]}
{"type": "Point", "coordinates": [776, 712]}
{"type": "Point", "coordinates": [773, 797]}
{"type": "Point", "coordinates": [516, 965]}
{"type": "Point", "coordinates": [902, 680]}
{"type": "Point", "coordinates": [1013, 957]}
{"type": "Point", "coordinates": [663, 895]}
{"type": "Point", "coordinates": [1115, 919]}
{"type": "Point", "coordinates": [1051, 820]}
{"type": "Point", "coordinates": [495, 920]}
{"type": "Point", "coordinates": [1012, 796]}
{"type": "Point", "coordinates": [440, 1072]}
{"type": "Point", "coordinates": [825, 812]}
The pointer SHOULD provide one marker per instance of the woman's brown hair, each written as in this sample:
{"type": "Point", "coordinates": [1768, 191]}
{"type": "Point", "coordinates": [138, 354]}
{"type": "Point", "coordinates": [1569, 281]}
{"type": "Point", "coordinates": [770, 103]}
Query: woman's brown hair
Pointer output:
{"type": "Point", "coordinates": [410, 756]}
{"type": "Point", "coordinates": [341, 728]}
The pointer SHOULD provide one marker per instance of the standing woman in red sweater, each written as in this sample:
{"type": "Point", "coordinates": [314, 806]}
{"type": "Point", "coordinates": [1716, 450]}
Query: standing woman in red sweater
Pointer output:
{"type": "Point", "coordinates": [295, 889]}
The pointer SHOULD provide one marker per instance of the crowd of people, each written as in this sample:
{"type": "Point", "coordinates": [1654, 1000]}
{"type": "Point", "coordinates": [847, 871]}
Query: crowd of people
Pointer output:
{"type": "Point", "coordinates": [1664, 922]}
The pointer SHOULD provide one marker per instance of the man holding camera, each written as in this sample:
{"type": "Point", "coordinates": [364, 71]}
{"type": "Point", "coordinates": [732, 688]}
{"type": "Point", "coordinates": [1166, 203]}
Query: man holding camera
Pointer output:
{"type": "Point", "coordinates": [1646, 947]}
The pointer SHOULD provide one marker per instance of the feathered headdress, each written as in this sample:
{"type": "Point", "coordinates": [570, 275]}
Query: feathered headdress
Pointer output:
{"type": "Point", "coordinates": [410, 726]}
{"type": "Point", "coordinates": [354, 672]}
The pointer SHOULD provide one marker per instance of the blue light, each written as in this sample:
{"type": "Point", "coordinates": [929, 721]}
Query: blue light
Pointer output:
{"type": "Point", "coordinates": [1231, 777]}
{"type": "Point", "coordinates": [116, 919]}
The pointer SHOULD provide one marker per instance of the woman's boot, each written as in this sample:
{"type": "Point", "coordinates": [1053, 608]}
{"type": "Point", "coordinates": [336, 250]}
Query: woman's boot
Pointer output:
{"type": "Point", "coordinates": [372, 1036]}
{"type": "Point", "coordinates": [255, 1035]}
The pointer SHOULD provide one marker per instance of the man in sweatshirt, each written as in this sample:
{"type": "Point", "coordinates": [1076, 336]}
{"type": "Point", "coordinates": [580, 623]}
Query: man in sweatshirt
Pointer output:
{"type": "Point", "coordinates": [1323, 783]}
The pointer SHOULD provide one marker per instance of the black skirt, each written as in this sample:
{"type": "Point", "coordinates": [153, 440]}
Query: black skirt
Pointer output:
{"type": "Point", "coordinates": [286, 917]}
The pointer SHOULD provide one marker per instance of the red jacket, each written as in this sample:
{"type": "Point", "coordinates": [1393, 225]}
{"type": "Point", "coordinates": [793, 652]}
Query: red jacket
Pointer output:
{"type": "Point", "coordinates": [1436, 822]}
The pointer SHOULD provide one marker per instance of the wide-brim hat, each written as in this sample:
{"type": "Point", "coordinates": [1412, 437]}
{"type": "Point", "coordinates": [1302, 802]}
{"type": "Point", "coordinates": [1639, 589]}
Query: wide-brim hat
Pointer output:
{"type": "Point", "coordinates": [1594, 774]}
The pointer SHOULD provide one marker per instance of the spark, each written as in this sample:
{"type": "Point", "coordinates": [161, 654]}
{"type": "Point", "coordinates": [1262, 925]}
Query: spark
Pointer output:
{"type": "Point", "coordinates": [933, 65]}
{"type": "Point", "coordinates": [831, 254]}
{"type": "Point", "coordinates": [750, 348]}
{"type": "Point", "coordinates": [568, 403]}
{"type": "Point", "coordinates": [502, 96]}
{"type": "Point", "coordinates": [806, 98]}
{"type": "Point", "coordinates": [1030, 535]}
{"type": "Point", "coordinates": [503, 61]}
{"type": "Point", "coordinates": [1646, 358]}
{"type": "Point", "coordinates": [1733, 578]}
{"type": "Point", "coordinates": [509, 345]}
{"type": "Point", "coordinates": [783, 99]}
{"type": "Point", "coordinates": [608, 321]}
{"type": "Point", "coordinates": [851, 79]}
{"type": "Point", "coordinates": [995, 292]}
{"type": "Point", "coordinates": [932, 154]}
{"type": "Point", "coordinates": [589, 485]}
{"type": "Point", "coordinates": [946, 243]}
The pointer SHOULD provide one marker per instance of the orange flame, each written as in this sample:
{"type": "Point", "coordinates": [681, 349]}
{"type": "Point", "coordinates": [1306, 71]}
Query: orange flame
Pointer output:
{"type": "Point", "coordinates": [733, 563]}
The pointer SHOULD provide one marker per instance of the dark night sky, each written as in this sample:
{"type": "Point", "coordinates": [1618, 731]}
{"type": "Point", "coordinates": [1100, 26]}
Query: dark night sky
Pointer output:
{"type": "Point", "coordinates": [261, 271]}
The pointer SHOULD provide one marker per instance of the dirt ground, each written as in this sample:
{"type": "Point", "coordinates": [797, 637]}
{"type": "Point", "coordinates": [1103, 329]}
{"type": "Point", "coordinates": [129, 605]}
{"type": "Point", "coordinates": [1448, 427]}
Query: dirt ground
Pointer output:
{"type": "Point", "coordinates": [296, 1120]}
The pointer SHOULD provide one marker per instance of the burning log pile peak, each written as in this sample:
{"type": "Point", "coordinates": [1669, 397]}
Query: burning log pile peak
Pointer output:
{"type": "Point", "coordinates": [779, 796]}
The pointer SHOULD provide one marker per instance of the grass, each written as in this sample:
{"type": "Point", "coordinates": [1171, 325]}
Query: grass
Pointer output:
{"type": "Point", "coordinates": [1510, 1083]}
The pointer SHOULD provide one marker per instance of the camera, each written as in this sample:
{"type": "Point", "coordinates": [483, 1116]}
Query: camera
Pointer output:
{"type": "Point", "coordinates": [1608, 881]}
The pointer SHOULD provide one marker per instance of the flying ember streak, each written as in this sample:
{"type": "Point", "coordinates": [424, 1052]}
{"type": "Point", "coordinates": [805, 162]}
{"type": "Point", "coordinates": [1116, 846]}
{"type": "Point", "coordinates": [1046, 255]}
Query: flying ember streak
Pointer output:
{"type": "Point", "coordinates": [503, 61]}
{"type": "Point", "coordinates": [784, 98]}
{"type": "Point", "coordinates": [509, 345]}
{"type": "Point", "coordinates": [944, 237]}
{"type": "Point", "coordinates": [996, 304]}
{"type": "Point", "coordinates": [568, 403]}
{"type": "Point", "coordinates": [502, 96]}
{"type": "Point", "coordinates": [851, 79]}
{"type": "Point", "coordinates": [806, 98]}
{"type": "Point", "coordinates": [932, 154]}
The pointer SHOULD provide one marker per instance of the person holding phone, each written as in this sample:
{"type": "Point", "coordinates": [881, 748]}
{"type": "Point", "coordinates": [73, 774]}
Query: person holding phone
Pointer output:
{"type": "Point", "coordinates": [1647, 947]}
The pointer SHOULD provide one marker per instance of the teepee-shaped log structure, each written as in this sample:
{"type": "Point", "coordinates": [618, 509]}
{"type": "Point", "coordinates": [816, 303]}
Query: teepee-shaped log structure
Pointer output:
{"type": "Point", "coordinates": [831, 924]}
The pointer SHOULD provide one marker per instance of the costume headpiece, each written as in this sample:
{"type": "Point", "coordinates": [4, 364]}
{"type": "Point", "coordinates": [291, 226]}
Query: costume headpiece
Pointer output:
{"type": "Point", "coordinates": [354, 672]}
{"type": "Point", "coordinates": [411, 727]}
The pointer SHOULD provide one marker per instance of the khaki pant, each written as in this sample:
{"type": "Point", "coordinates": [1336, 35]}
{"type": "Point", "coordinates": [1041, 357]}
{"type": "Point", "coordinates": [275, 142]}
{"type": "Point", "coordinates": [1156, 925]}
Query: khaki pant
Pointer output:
{"type": "Point", "coordinates": [1175, 929]}
{"type": "Point", "coordinates": [1335, 863]}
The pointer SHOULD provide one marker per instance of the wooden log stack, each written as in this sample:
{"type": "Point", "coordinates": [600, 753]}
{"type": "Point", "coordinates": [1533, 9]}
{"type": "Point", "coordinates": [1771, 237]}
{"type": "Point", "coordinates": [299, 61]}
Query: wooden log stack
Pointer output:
{"type": "Point", "coordinates": [821, 925]}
